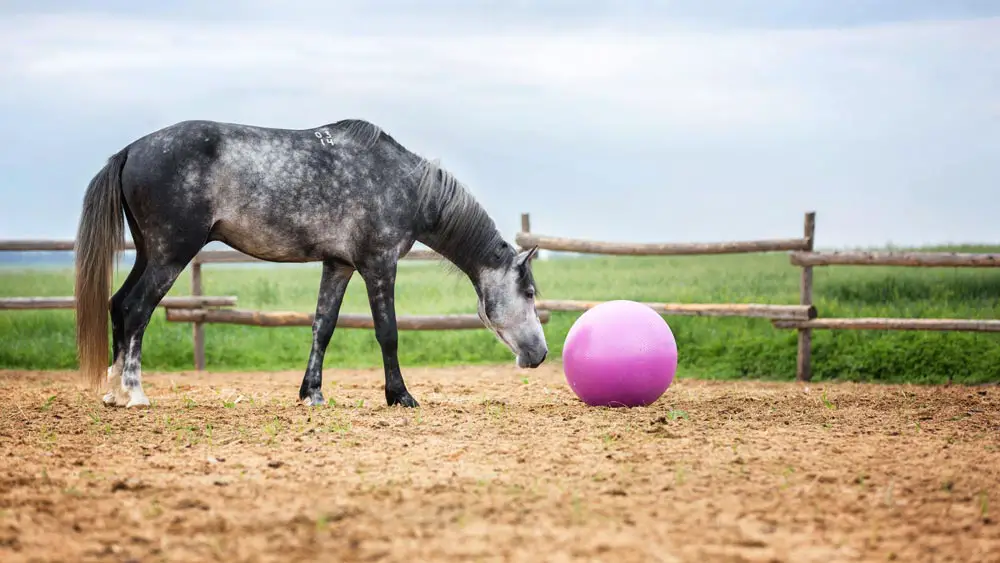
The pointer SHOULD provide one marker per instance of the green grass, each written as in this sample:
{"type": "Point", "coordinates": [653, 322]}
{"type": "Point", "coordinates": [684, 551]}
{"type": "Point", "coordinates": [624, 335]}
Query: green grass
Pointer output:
{"type": "Point", "coordinates": [709, 347]}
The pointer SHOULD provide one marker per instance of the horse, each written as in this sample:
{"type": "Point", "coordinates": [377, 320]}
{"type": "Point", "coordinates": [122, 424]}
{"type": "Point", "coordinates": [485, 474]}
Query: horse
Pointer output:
{"type": "Point", "coordinates": [346, 194]}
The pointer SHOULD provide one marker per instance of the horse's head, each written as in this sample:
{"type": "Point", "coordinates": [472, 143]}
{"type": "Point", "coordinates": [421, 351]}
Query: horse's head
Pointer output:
{"type": "Point", "coordinates": [507, 307]}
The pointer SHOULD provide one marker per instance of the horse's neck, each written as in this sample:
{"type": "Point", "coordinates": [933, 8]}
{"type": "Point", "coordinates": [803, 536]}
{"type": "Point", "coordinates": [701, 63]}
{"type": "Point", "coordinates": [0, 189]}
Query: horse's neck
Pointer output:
{"type": "Point", "coordinates": [471, 247]}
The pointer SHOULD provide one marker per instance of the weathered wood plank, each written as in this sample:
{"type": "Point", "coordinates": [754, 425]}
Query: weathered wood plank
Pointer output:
{"type": "Point", "coordinates": [527, 240]}
{"type": "Point", "coordinates": [38, 245]}
{"type": "Point", "coordinates": [967, 325]}
{"type": "Point", "coordinates": [753, 310]}
{"type": "Point", "coordinates": [345, 320]}
{"type": "Point", "coordinates": [234, 256]}
{"type": "Point", "coordinates": [803, 359]}
{"type": "Point", "coordinates": [913, 259]}
{"type": "Point", "coordinates": [205, 256]}
{"type": "Point", "coordinates": [27, 303]}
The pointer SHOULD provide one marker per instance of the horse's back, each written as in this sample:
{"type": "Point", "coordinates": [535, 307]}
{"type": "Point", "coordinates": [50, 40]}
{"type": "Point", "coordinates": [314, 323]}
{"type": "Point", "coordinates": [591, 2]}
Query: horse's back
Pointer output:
{"type": "Point", "coordinates": [279, 194]}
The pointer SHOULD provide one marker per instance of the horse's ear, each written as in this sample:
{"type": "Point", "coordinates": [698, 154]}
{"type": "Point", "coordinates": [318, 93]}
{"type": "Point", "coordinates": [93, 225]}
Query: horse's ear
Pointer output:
{"type": "Point", "coordinates": [526, 255]}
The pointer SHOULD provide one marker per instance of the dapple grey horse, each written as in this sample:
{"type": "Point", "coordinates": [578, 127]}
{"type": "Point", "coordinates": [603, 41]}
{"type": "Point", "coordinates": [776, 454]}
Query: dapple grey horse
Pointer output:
{"type": "Point", "coordinates": [345, 194]}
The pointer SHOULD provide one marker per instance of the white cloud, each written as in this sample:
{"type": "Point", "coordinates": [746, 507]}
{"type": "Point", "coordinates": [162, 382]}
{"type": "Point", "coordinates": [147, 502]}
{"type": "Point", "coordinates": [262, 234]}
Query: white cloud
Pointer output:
{"type": "Point", "coordinates": [681, 78]}
{"type": "Point", "coordinates": [747, 126]}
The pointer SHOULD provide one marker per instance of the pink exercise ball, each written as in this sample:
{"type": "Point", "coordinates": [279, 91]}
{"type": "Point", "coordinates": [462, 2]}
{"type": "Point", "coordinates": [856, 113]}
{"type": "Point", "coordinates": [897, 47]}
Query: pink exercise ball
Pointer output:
{"type": "Point", "coordinates": [619, 353]}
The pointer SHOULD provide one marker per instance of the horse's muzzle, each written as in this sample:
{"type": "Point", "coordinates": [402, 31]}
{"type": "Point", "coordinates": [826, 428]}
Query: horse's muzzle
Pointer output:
{"type": "Point", "coordinates": [532, 360]}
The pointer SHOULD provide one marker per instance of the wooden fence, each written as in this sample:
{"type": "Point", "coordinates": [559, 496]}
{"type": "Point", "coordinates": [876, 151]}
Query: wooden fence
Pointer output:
{"type": "Point", "coordinates": [809, 259]}
{"type": "Point", "coordinates": [802, 317]}
{"type": "Point", "coordinates": [199, 309]}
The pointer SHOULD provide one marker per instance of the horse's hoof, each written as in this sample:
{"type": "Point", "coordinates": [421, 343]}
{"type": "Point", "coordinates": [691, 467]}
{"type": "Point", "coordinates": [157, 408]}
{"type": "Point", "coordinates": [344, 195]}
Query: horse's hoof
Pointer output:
{"type": "Point", "coordinates": [314, 399]}
{"type": "Point", "coordinates": [403, 399]}
{"type": "Point", "coordinates": [112, 399]}
{"type": "Point", "coordinates": [138, 401]}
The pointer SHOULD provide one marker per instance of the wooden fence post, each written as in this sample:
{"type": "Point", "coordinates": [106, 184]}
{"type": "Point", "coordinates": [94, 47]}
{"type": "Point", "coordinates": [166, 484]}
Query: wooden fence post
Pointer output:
{"type": "Point", "coordinates": [803, 367]}
{"type": "Point", "coordinates": [526, 228]}
{"type": "Point", "coordinates": [198, 334]}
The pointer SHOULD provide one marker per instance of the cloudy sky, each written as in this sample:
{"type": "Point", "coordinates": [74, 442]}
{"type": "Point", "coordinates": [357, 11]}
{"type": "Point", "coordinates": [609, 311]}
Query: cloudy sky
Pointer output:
{"type": "Point", "coordinates": [689, 120]}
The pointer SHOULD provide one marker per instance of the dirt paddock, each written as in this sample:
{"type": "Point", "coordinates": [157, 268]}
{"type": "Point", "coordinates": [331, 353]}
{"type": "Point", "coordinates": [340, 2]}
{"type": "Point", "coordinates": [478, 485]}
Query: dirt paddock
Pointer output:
{"type": "Point", "coordinates": [497, 464]}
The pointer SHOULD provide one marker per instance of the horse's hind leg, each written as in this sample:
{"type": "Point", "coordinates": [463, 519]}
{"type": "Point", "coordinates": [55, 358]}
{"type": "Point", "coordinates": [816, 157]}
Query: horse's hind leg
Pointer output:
{"type": "Point", "coordinates": [118, 330]}
{"type": "Point", "coordinates": [137, 308]}
{"type": "Point", "coordinates": [118, 315]}
{"type": "Point", "coordinates": [332, 287]}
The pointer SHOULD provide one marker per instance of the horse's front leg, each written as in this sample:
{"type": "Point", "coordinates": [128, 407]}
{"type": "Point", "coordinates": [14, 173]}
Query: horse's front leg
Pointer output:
{"type": "Point", "coordinates": [332, 287]}
{"type": "Point", "coordinates": [380, 281]}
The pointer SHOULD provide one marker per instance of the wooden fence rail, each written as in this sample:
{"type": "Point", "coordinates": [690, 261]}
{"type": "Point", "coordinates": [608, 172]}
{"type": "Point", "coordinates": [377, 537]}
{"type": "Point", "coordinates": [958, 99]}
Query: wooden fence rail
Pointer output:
{"type": "Point", "coordinates": [203, 257]}
{"type": "Point", "coordinates": [526, 240]}
{"type": "Point", "coordinates": [918, 259]}
{"type": "Point", "coordinates": [861, 323]}
{"type": "Point", "coordinates": [753, 310]}
{"type": "Point", "coordinates": [234, 256]}
{"type": "Point", "coordinates": [25, 303]}
{"type": "Point", "coordinates": [35, 245]}
{"type": "Point", "coordinates": [344, 320]}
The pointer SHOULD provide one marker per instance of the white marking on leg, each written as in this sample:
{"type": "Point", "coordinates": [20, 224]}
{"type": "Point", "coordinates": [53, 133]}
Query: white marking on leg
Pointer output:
{"type": "Point", "coordinates": [115, 395]}
{"type": "Point", "coordinates": [130, 389]}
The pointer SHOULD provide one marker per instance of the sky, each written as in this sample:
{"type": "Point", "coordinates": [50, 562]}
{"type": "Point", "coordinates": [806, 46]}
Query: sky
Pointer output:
{"type": "Point", "coordinates": [671, 121]}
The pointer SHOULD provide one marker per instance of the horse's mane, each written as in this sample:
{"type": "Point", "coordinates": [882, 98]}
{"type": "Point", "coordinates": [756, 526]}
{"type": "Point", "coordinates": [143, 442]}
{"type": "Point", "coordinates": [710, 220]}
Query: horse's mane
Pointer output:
{"type": "Point", "coordinates": [464, 232]}
{"type": "Point", "coordinates": [461, 229]}
{"type": "Point", "coordinates": [360, 131]}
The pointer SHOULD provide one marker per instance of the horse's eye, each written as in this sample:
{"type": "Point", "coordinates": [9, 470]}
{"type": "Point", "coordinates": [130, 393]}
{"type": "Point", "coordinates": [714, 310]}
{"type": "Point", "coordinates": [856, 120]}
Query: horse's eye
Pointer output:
{"type": "Point", "coordinates": [530, 292]}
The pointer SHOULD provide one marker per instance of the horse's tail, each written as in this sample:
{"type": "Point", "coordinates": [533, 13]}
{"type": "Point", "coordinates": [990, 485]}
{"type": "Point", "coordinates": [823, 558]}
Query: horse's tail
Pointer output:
{"type": "Point", "coordinates": [100, 235]}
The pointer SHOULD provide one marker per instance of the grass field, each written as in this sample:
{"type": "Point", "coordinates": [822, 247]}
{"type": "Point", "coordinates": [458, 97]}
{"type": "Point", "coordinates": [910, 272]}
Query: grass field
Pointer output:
{"type": "Point", "coordinates": [709, 348]}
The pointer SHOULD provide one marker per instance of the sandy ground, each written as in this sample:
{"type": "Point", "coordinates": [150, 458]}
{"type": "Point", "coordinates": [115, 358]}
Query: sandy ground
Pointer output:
{"type": "Point", "coordinates": [498, 465]}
